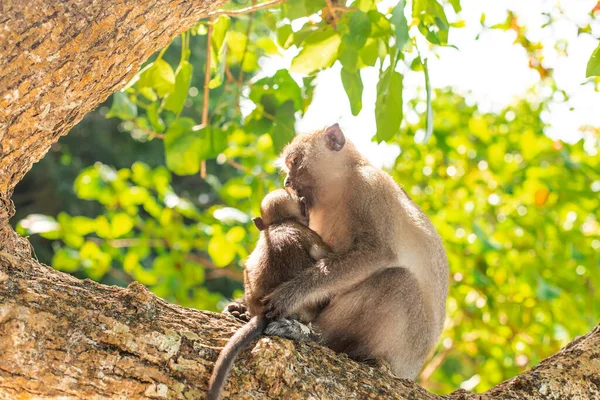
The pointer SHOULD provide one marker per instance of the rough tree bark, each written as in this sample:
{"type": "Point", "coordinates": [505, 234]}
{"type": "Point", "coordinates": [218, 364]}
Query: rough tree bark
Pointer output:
{"type": "Point", "coordinates": [61, 337]}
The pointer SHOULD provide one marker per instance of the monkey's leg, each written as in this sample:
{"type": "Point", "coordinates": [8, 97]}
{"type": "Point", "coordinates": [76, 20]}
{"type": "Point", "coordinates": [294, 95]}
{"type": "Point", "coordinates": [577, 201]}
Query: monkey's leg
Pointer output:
{"type": "Point", "coordinates": [383, 317]}
{"type": "Point", "coordinates": [289, 329]}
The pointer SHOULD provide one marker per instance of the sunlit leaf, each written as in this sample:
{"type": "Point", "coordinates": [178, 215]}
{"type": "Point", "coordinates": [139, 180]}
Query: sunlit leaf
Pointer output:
{"type": "Point", "coordinates": [353, 86]}
{"type": "Point", "coordinates": [429, 119]}
{"type": "Point", "coordinates": [359, 30]}
{"type": "Point", "coordinates": [122, 107]}
{"type": "Point", "coordinates": [158, 76]}
{"type": "Point", "coordinates": [318, 52]}
{"type": "Point", "coordinates": [388, 106]}
{"type": "Point", "coordinates": [220, 250]}
{"type": "Point", "coordinates": [400, 24]}
{"type": "Point", "coordinates": [219, 31]}
{"type": "Point", "coordinates": [434, 24]}
{"type": "Point", "coordinates": [183, 147]}
{"type": "Point", "coordinates": [283, 131]}
{"type": "Point", "coordinates": [593, 65]}
{"type": "Point", "coordinates": [380, 26]}
{"type": "Point", "coordinates": [176, 100]}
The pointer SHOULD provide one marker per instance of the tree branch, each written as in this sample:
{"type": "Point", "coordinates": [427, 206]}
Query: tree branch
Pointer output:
{"type": "Point", "coordinates": [250, 9]}
{"type": "Point", "coordinates": [83, 339]}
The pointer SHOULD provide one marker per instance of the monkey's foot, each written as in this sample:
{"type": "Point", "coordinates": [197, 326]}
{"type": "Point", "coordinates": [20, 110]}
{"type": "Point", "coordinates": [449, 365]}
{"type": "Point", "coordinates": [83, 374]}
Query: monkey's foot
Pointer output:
{"type": "Point", "coordinates": [289, 329]}
{"type": "Point", "coordinates": [238, 310]}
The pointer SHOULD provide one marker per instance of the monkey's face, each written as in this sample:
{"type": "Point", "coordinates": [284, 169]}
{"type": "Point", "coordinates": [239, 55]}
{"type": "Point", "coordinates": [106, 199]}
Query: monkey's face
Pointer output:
{"type": "Point", "coordinates": [313, 162]}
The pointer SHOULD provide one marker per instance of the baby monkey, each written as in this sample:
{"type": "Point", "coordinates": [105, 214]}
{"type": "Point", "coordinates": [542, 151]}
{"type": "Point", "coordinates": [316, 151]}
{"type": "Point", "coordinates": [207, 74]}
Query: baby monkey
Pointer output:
{"type": "Point", "coordinates": [286, 246]}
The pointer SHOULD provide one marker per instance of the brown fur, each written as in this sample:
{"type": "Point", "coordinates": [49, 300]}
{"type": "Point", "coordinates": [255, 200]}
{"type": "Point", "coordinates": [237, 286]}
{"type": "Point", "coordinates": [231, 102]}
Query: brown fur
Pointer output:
{"type": "Point", "coordinates": [387, 281]}
{"type": "Point", "coordinates": [285, 248]}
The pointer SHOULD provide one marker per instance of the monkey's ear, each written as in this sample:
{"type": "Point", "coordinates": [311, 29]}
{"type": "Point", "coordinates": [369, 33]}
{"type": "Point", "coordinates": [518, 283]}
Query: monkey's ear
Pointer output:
{"type": "Point", "coordinates": [334, 138]}
{"type": "Point", "coordinates": [259, 223]}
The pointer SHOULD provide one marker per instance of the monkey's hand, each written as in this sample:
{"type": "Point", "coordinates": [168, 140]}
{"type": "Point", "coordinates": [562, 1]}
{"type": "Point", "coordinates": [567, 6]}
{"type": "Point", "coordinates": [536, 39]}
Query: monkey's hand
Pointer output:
{"type": "Point", "coordinates": [293, 295]}
{"type": "Point", "coordinates": [283, 301]}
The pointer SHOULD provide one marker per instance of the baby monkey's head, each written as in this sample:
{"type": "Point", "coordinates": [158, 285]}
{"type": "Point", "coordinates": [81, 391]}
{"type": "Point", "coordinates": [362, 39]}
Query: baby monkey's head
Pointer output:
{"type": "Point", "coordinates": [279, 206]}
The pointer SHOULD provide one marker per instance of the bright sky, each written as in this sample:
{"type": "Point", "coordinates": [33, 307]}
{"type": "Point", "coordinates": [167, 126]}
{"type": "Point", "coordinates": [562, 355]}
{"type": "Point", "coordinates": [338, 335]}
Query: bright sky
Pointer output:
{"type": "Point", "coordinates": [491, 71]}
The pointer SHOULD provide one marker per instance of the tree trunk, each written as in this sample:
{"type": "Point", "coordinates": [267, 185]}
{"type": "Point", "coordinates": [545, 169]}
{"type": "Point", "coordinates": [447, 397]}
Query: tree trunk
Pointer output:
{"type": "Point", "coordinates": [68, 338]}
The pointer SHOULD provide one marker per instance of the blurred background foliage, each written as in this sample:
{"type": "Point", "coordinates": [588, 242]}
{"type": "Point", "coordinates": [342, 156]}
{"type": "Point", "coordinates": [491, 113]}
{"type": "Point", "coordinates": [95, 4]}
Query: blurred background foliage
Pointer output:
{"type": "Point", "coordinates": [159, 184]}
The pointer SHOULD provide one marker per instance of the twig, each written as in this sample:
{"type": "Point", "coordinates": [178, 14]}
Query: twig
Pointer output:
{"type": "Point", "coordinates": [150, 133]}
{"type": "Point", "coordinates": [345, 9]}
{"type": "Point", "coordinates": [332, 11]}
{"type": "Point", "coordinates": [432, 366]}
{"type": "Point", "coordinates": [206, 88]}
{"type": "Point", "coordinates": [242, 11]}
{"type": "Point", "coordinates": [230, 76]}
{"type": "Point", "coordinates": [239, 166]}
{"type": "Point", "coordinates": [248, 30]}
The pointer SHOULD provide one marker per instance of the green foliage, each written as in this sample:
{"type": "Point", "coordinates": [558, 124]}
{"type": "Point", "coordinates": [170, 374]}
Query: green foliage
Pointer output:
{"type": "Point", "coordinates": [593, 66]}
{"type": "Point", "coordinates": [388, 106]}
{"type": "Point", "coordinates": [519, 216]}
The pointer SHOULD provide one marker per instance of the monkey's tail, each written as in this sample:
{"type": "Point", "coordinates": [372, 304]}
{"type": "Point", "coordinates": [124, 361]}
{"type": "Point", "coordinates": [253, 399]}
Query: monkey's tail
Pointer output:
{"type": "Point", "coordinates": [236, 343]}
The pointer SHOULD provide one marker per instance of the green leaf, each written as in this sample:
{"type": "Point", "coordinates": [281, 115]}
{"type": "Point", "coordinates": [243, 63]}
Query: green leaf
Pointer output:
{"type": "Point", "coordinates": [281, 85]}
{"type": "Point", "coordinates": [380, 26]}
{"type": "Point", "coordinates": [429, 119]}
{"type": "Point", "coordinates": [219, 31]}
{"type": "Point", "coordinates": [363, 5]}
{"type": "Point", "coordinates": [294, 9]}
{"type": "Point", "coordinates": [400, 24]}
{"type": "Point", "coordinates": [213, 141]}
{"type": "Point", "coordinates": [183, 147]}
{"type": "Point", "coordinates": [456, 5]}
{"type": "Point", "coordinates": [176, 100]}
{"type": "Point", "coordinates": [433, 22]}
{"type": "Point", "coordinates": [348, 56]}
{"type": "Point", "coordinates": [160, 76]}
{"type": "Point", "coordinates": [284, 36]}
{"type": "Point", "coordinates": [369, 53]}
{"type": "Point", "coordinates": [66, 259]}
{"type": "Point", "coordinates": [283, 130]}
{"type": "Point", "coordinates": [268, 46]}
{"type": "Point", "coordinates": [152, 112]}
{"type": "Point", "coordinates": [359, 30]}
{"type": "Point", "coordinates": [547, 291]}
{"type": "Point", "coordinates": [319, 52]}
{"type": "Point", "coordinates": [354, 88]}
{"type": "Point", "coordinates": [388, 106]}
{"type": "Point", "coordinates": [235, 234]}
{"type": "Point", "coordinates": [148, 93]}
{"type": "Point", "coordinates": [313, 6]}
{"type": "Point", "coordinates": [593, 65]}
{"type": "Point", "coordinates": [122, 107]}
{"type": "Point", "coordinates": [220, 250]}
{"type": "Point", "coordinates": [120, 224]}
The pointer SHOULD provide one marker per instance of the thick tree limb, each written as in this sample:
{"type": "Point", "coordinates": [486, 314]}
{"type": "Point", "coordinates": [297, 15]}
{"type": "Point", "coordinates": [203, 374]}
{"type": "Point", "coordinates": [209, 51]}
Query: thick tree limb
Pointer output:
{"type": "Point", "coordinates": [61, 337]}
{"type": "Point", "coordinates": [60, 59]}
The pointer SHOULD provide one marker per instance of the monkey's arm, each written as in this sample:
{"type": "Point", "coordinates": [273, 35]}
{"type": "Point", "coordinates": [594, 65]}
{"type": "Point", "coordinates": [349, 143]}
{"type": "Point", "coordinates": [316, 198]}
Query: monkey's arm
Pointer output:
{"type": "Point", "coordinates": [333, 274]}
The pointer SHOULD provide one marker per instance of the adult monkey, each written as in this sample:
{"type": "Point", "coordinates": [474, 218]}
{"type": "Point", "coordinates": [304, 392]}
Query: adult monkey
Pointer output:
{"type": "Point", "coordinates": [386, 283]}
